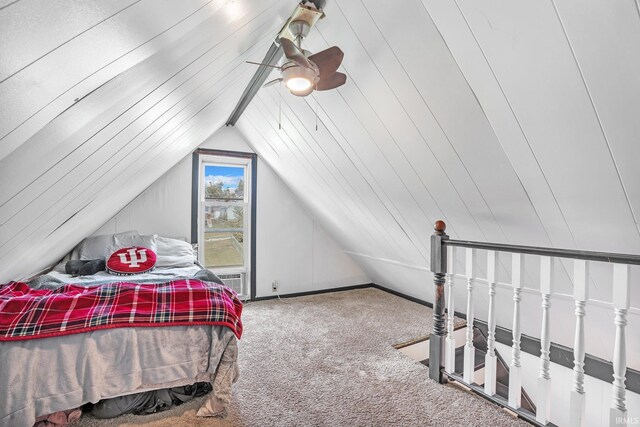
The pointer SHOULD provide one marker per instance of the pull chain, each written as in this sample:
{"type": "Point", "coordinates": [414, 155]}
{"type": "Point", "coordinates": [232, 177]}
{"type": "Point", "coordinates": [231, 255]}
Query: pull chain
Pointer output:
{"type": "Point", "coordinates": [280, 107]}
{"type": "Point", "coordinates": [316, 97]}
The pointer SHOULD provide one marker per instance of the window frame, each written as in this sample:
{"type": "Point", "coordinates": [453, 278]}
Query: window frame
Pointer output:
{"type": "Point", "coordinates": [227, 158]}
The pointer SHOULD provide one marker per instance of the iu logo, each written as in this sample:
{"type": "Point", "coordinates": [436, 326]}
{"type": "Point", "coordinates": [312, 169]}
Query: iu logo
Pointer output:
{"type": "Point", "coordinates": [133, 261]}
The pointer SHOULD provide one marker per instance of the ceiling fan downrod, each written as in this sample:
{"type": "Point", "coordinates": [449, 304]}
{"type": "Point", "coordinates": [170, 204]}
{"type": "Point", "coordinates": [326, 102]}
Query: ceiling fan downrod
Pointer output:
{"type": "Point", "coordinates": [299, 29]}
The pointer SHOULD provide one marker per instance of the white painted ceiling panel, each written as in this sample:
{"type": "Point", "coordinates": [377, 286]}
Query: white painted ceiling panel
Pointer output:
{"type": "Point", "coordinates": [333, 199]}
{"type": "Point", "coordinates": [33, 88]}
{"type": "Point", "coordinates": [117, 186]}
{"type": "Point", "coordinates": [430, 160]}
{"type": "Point", "coordinates": [438, 90]}
{"type": "Point", "coordinates": [189, 74]}
{"type": "Point", "coordinates": [609, 61]}
{"type": "Point", "coordinates": [79, 168]}
{"type": "Point", "coordinates": [34, 28]}
{"type": "Point", "coordinates": [481, 78]}
{"type": "Point", "coordinates": [364, 189]}
{"type": "Point", "coordinates": [96, 143]}
{"type": "Point", "coordinates": [525, 44]}
{"type": "Point", "coordinates": [319, 185]}
{"type": "Point", "coordinates": [392, 177]}
{"type": "Point", "coordinates": [344, 185]}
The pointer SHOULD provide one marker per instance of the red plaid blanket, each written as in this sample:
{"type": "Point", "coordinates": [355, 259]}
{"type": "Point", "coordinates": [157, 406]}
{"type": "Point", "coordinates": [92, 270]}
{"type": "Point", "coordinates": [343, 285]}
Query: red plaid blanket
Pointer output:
{"type": "Point", "coordinates": [27, 313]}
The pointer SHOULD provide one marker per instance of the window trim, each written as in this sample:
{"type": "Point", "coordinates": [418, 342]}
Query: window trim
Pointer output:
{"type": "Point", "coordinates": [195, 202]}
{"type": "Point", "coordinates": [232, 162]}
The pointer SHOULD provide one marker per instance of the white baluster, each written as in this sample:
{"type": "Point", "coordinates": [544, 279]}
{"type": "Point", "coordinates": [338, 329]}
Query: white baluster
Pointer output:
{"type": "Point", "coordinates": [490, 358]}
{"type": "Point", "coordinates": [618, 411]}
{"type": "Point", "coordinates": [469, 349]}
{"type": "Point", "coordinates": [515, 374]}
{"type": "Point", "coordinates": [450, 342]}
{"type": "Point", "coordinates": [543, 401]}
{"type": "Point", "coordinates": [580, 295]}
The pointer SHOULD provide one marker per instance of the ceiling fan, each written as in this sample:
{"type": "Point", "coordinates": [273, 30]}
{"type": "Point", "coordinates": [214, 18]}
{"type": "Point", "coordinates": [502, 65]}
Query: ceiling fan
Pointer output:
{"type": "Point", "coordinates": [304, 72]}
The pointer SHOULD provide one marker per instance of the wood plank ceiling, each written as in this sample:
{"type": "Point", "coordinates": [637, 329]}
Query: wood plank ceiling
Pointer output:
{"type": "Point", "coordinates": [512, 121]}
{"type": "Point", "coordinates": [99, 99]}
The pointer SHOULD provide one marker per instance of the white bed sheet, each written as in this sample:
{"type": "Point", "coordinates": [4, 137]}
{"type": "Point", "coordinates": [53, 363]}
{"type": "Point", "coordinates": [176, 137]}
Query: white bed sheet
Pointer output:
{"type": "Point", "coordinates": [157, 275]}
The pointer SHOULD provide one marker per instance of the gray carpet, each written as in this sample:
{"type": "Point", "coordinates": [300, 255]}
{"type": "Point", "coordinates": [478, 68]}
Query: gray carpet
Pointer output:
{"type": "Point", "coordinates": [328, 360]}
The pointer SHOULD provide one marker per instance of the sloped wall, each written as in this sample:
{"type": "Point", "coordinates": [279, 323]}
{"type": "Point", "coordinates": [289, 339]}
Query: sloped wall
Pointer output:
{"type": "Point", "coordinates": [100, 99]}
{"type": "Point", "coordinates": [511, 121]}
{"type": "Point", "coordinates": [292, 247]}
{"type": "Point", "coordinates": [163, 208]}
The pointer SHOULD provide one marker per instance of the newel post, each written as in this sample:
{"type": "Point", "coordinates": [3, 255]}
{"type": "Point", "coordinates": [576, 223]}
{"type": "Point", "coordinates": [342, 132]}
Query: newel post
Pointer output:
{"type": "Point", "coordinates": [439, 270]}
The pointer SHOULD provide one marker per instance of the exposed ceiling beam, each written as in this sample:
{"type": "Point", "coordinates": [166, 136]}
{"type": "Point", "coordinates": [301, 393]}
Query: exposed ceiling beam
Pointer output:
{"type": "Point", "coordinates": [271, 58]}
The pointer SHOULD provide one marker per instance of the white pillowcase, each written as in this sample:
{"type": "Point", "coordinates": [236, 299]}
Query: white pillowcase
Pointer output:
{"type": "Point", "coordinates": [173, 253]}
{"type": "Point", "coordinates": [98, 247]}
{"type": "Point", "coordinates": [128, 240]}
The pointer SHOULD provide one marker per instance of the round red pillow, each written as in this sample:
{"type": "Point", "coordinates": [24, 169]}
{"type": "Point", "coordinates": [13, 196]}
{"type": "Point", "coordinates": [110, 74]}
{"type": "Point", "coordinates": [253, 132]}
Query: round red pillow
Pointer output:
{"type": "Point", "coordinates": [132, 260]}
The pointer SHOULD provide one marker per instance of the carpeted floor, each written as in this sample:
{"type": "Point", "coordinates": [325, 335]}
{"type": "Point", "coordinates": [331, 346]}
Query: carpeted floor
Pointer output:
{"type": "Point", "coordinates": [328, 360]}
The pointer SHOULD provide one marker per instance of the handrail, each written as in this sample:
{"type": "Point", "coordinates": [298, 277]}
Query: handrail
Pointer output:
{"type": "Point", "coordinates": [551, 252]}
{"type": "Point", "coordinates": [442, 348]}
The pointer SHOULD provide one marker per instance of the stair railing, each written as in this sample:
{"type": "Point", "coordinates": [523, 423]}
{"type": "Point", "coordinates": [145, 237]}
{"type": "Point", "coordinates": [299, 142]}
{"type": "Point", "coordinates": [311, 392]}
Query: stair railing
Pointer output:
{"type": "Point", "coordinates": [442, 342]}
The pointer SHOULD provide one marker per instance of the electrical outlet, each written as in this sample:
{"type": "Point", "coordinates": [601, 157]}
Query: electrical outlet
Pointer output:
{"type": "Point", "coordinates": [274, 286]}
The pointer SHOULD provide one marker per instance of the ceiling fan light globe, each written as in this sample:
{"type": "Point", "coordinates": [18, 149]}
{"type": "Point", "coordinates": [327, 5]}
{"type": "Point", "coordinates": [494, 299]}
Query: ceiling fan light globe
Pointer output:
{"type": "Point", "coordinates": [302, 93]}
{"type": "Point", "coordinates": [299, 80]}
{"type": "Point", "coordinates": [298, 84]}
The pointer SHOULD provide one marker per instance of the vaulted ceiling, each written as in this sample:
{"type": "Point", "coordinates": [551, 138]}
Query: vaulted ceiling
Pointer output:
{"type": "Point", "coordinates": [512, 121]}
{"type": "Point", "coordinates": [99, 99]}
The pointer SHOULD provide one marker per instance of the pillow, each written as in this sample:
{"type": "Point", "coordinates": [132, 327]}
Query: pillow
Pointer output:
{"type": "Point", "coordinates": [129, 240]}
{"type": "Point", "coordinates": [60, 267]}
{"type": "Point", "coordinates": [131, 260]}
{"type": "Point", "coordinates": [96, 247]}
{"type": "Point", "coordinates": [174, 253]}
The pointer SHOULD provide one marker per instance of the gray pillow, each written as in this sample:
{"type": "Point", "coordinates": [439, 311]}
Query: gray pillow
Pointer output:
{"type": "Point", "coordinates": [173, 253]}
{"type": "Point", "coordinates": [98, 247]}
{"type": "Point", "coordinates": [128, 240]}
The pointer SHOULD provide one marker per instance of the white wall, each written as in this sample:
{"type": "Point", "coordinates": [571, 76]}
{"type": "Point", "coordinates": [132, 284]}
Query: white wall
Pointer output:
{"type": "Point", "coordinates": [292, 247]}
{"type": "Point", "coordinates": [163, 208]}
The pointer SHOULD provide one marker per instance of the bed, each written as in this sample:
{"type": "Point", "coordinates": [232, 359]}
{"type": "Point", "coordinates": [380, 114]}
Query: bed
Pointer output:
{"type": "Point", "coordinates": [45, 375]}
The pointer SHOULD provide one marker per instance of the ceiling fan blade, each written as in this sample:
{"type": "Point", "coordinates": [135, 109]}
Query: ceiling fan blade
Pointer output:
{"type": "Point", "coordinates": [272, 82]}
{"type": "Point", "coordinates": [264, 65]}
{"type": "Point", "coordinates": [328, 60]}
{"type": "Point", "coordinates": [333, 81]}
{"type": "Point", "coordinates": [293, 53]}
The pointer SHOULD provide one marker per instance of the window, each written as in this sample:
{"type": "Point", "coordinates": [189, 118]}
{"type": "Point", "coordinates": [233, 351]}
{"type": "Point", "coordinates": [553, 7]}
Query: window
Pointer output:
{"type": "Point", "coordinates": [223, 209]}
{"type": "Point", "coordinates": [224, 217]}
